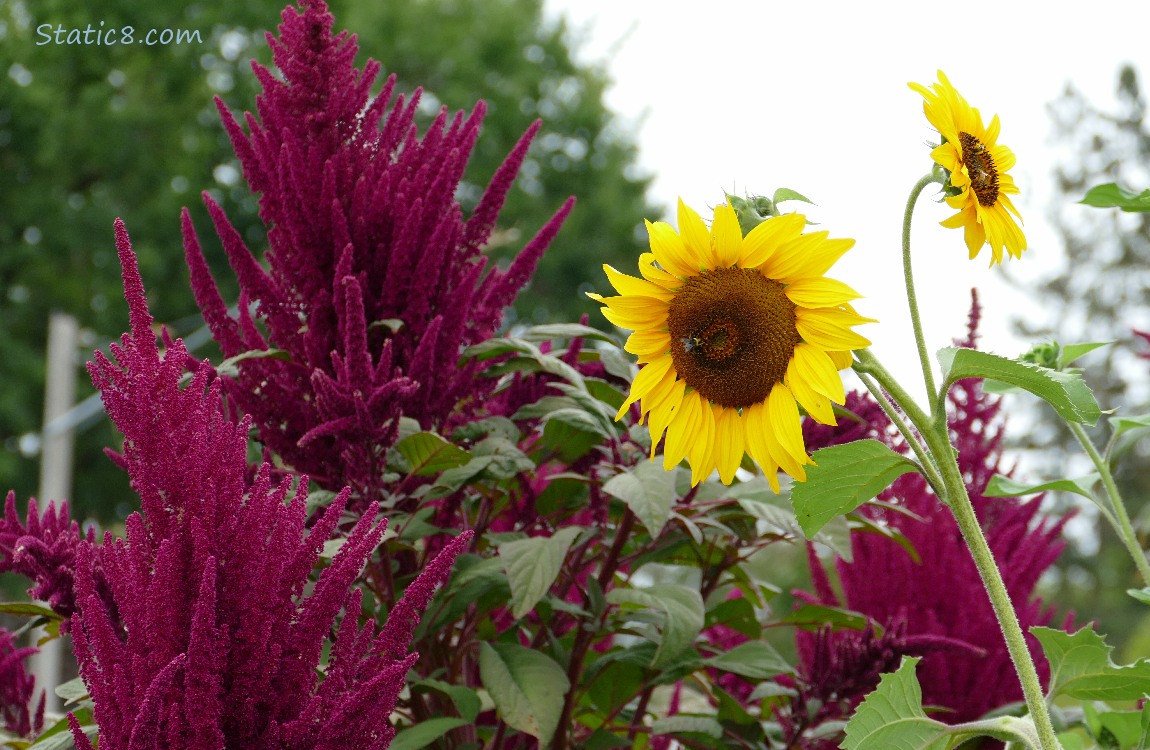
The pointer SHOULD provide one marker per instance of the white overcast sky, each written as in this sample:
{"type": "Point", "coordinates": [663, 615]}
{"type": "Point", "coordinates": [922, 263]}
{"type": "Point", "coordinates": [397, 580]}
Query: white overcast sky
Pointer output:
{"type": "Point", "coordinates": [751, 96]}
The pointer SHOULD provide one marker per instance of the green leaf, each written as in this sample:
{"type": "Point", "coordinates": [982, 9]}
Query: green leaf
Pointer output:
{"type": "Point", "coordinates": [1000, 486]}
{"type": "Point", "coordinates": [778, 517]}
{"type": "Point", "coordinates": [680, 724]}
{"type": "Point", "coordinates": [1121, 730]}
{"type": "Point", "coordinates": [845, 477]}
{"type": "Point", "coordinates": [1123, 425]}
{"type": "Point", "coordinates": [892, 716]}
{"type": "Point", "coordinates": [72, 691]}
{"type": "Point", "coordinates": [1111, 195]}
{"type": "Point", "coordinates": [786, 194]}
{"type": "Point", "coordinates": [680, 609]}
{"type": "Point", "coordinates": [1066, 392]}
{"type": "Point", "coordinates": [754, 659]}
{"type": "Point", "coordinates": [466, 700]}
{"type": "Point", "coordinates": [648, 491]}
{"type": "Point", "coordinates": [1142, 595]}
{"type": "Point", "coordinates": [532, 565]}
{"type": "Point", "coordinates": [814, 616]}
{"type": "Point", "coordinates": [428, 454]}
{"type": "Point", "coordinates": [229, 368]}
{"type": "Point", "coordinates": [425, 732]}
{"type": "Point", "coordinates": [59, 736]}
{"type": "Point", "coordinates": [1071, 352]}
{"type": "Point", "coordinates": [527, 686]}
{"type": "Point", "coordinates": [564, 331]}
{"type": "Point", "coordinates": [572, 432]}
{"type": "Point", "coordinates": [1080, 667]}
{"type": "Point", "coordinates": [27, 609]}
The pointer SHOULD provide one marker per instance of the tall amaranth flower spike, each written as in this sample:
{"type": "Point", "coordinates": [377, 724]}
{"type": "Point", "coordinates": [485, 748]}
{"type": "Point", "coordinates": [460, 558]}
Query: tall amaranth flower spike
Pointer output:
{"type": "Point", "coordinates": [218, 645]}
{"type": "Point", "coordinates": [375, 281]}
{"type": "Point", "coordinates": [16, 690]}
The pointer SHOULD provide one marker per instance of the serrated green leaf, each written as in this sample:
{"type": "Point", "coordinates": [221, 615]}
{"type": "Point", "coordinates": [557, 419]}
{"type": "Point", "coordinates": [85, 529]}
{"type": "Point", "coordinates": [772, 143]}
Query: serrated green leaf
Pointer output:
{"type": "Point", "coordinates": [1000, 486]}
{"type": "Point", "coordinates": [532, 565]}
{"type": "Point", "coordinates": [1111, 195]}
{"type": "Point", "coordinates": [680, 724]}
{"type": "Point", "coordinates": [1080, 667]}
{"type": "Point", "coordinates": [648, 491]}
{"type": "Point", "coordinates": [892, 716]}
{"type": "Point", "coordinates": [786, 194]}
{"type": "Point", "coordinates": [527, 686]}
{"type": "Point", "coordinates": [1142, 595]}
{"type": "Point", "coordinates": [425, 732]}
{"type": "Point", "coordinates": [428, 454]}
{"type": "Point", "coordinates": [1071, 352]}
{"type": "Point", "coordinates": [680, 610]}
{"type": "Point", "coordinates": [845, 477]}
{"type": "Point", "coordinates": [1066, 392]}
{"type": "Point", "coordinates": [754, 659]}
{"type": "Point", "coordinates": [778, 517]}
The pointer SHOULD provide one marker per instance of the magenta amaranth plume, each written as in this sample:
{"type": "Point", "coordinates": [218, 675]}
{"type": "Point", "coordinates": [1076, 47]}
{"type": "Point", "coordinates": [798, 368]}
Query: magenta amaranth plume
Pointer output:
{"type": "Point", "coordinates": [217, 644]}
{"type": "Point", "coordinates": [16, 690]}
{"type": "Point", "coordinates": [940, 599]}
{"type": "Point", "coordinates": [375, 281]}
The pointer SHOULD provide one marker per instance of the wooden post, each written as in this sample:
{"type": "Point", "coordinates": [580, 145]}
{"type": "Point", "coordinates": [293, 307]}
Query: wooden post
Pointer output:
{"type": "Point", "coordinates": [56, 467]}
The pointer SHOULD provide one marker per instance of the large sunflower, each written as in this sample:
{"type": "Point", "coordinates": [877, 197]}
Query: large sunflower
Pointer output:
{"type": "Point", "coordinates": [733, 334]}
{"type": "Point", "coordinates": [978, 167]}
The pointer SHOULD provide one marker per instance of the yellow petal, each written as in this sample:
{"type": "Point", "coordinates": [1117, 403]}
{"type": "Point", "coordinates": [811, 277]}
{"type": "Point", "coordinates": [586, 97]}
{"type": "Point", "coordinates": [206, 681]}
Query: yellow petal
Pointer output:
{"type": "Point", "coordinates": [695, 237]}
{"type": "Point", "coordinates": [629, 285]}
{"type": "Point", "coordinates": [648, 343]}
{"type": "Point", "coordinates": [819, 292]}
{"type": "Point", "coordinates": [702, 452]}
{"type": "Point", "coordinates": [841, 360]}
{"type": "Point", "coordinates": [816, 404]}
{"type": "Point", "coordinates": [728, 237]}
{"type": "Point", "coordinates": [786, 432]}
{"type": "Point", "coordinates": [648, 377]}
{"type": "Point", "coordinates": [663, 412]}
{"type": "Point", "coordinates": [635, 312]}
{"type": "Point", "coordinates": [657, 275]}
{"type": "Point", "coordinates": [669, 250]}
{"type": "Point", "coordinates": [828, 328]}
{"type": "Point", "coordinates": [765, 239]}
{"type": "Point", "coordinates": [807, 256]}
{"type": "Point", "coordinates": [755, 417]}
{"type": "Point", "coordinates": [815, 368]}
{"type": "Point", "coordinates": [728, 443]}
{"type": "Point", "coordinates": [682, 431]}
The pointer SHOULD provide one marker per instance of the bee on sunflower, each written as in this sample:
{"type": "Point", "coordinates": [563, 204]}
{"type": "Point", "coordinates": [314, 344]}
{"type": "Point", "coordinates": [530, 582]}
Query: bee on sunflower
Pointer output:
{"type": "Point", "coordinates": [733, 334]}
{"type": "Point", "coordinates": [978, 181]}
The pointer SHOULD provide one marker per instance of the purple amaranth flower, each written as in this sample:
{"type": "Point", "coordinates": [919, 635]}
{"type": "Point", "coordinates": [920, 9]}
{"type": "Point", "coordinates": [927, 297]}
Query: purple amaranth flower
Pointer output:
{"type": "Point", "coordinates": [375, 281]}
{"type": "Point", "coordinates": [43, 550]}
{"type": "Point", "coordinates": [942, 596]}
{"type": "Point", "coordinates": [17, 688]}
{"type": "Point", "coordinates": [218, 645]}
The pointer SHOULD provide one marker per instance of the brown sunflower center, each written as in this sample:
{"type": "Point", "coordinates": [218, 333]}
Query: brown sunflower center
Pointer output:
{"type": "Point", "coordinates": [732, 335]}
{"type": "Point", "coordinates": [980, 165]}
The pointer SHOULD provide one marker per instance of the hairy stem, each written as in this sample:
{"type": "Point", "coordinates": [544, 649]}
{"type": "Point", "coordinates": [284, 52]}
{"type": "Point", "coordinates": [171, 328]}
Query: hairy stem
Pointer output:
{"type": "Point", "coordinates": [1124, 528]}
{"type": "Point", "coordinates": [908, 277]}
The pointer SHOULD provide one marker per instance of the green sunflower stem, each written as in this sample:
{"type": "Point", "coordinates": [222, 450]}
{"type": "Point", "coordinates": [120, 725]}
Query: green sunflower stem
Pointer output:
{"type": "Point", "coordinates": [908, 276]}
{"type": "Point", "coordinates": [1124, 528]}
{"type": "Point", "coordinates": [954, 494]}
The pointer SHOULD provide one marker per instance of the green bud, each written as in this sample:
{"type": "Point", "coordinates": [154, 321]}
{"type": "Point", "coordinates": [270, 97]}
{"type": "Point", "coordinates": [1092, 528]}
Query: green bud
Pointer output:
{"type": "Point", "coordinates": [1044, 354]}
{"type": "Point", "coordinates": [752, 210]}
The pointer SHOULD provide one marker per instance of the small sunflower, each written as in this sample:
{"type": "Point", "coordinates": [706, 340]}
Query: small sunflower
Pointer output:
{"type": "Point", "coordinates": [978, 167]}
{"type": "Point", "coordinates": [733, 335]}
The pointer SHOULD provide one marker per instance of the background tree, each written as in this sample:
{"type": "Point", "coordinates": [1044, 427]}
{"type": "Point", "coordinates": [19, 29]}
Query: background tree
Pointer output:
{"type": "Point", "coordinates": [92, 132]}
{"type": "Point", "coordinates": [1100, 292]}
